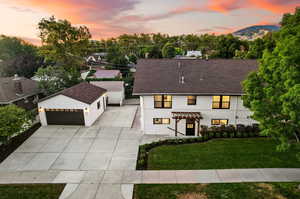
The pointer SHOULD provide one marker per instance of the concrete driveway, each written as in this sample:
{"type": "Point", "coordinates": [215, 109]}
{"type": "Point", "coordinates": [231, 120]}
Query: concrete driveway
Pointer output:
{"type": "Point", "coordinates": [92, 161]}
{"type": "Point", "coordinates": [117, 116]}
{"type": "Point", "coordinates": [76, 148]}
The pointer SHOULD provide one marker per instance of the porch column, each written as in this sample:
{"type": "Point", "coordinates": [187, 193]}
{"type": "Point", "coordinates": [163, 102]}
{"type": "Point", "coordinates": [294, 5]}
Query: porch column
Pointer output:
{"type": "Point", "coordinates": [176, 121]}
{"type": "Point", "coordinates": [198, 127]}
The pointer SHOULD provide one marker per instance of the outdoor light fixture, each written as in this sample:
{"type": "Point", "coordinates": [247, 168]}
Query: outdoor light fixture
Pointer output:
{"type": "Point", "coordinates": [41, 109]}
{"type": "Point", "coordinates": [86, 110]}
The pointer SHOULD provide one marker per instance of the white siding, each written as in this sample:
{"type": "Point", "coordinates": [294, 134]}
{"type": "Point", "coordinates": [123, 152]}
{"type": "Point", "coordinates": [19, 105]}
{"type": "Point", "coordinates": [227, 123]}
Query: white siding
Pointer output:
{"type": "Point", "coordinates": [116, 97]}
{"type": "Point", "coordinates": [63, 102]}
{"type": "Point", "coordinates": [237, 114]}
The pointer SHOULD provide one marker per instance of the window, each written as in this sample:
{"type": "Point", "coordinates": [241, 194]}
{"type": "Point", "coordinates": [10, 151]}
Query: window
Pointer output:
{"type": "Point", "coordinates": [221, 102]}
{"type": "Point", "coordinates": [219, 122]}
{"type": "Point", "coordinates": [191, 100]}
{"type": "Point", "coordinates": [162, 101]}
{"type": "Point", "coordinates": [161, 120]}
{"type": "Point", "coordinates": [98, 105]}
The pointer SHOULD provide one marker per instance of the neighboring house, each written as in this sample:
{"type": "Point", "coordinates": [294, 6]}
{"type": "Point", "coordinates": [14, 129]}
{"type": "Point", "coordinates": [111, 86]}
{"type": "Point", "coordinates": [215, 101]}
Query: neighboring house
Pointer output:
{"type": "Point", "coordinates": [96, 58]}
{"type": "Point", "coordinates": [194, 54]}
{"type": "Point", "coordinates": [185, 94]}
{"type": "Point", "coordinates": [190, 55]}
{"type": "Point", "coordinates": [81, 104]}
{"type": "Point", "coordinates": [20, 91]}
{"type": "Point", "coordinates": [107, 74]}
{"type": "Point", "coordinates": [115, 91]}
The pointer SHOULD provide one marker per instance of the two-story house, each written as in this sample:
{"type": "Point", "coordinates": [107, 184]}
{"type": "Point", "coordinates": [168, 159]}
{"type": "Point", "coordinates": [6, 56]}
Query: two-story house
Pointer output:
{"type": "Point", "coordinates": [178, 96]}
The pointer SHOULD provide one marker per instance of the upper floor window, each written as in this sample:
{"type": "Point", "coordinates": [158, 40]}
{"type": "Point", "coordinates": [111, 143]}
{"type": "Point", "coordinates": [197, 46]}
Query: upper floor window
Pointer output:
{"type": "Point", "coordinates": [221, 102]}
{"type": "Point", "coordinates": [191, 100]}
{"type": "Point", "coordinates": [162, 101]}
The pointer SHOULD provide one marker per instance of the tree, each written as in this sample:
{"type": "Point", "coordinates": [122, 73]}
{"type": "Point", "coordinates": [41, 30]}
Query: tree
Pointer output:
{"type": "Point", "coordinates": [13, 120]}
{"type": "Point", "coordinates": [18, 57]}
{"type": "Point", "coordinates": [273, 92]}
{"type": "Point", "coordinates": [168, 50]}
{"type": "Point", "coordinates": [64, 44]}
{"type": "Point", "coordinates": [51, 79]}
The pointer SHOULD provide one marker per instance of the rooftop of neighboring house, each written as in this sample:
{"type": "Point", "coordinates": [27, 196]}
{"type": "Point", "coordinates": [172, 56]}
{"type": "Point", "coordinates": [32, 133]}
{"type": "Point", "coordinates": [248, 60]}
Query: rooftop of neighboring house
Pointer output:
{"type": "Point", "coordinates": [203, 77]}
{"type": "Point", "coordinates": [112, 86]}
{"type": "Point", "coordinates": [83, 92]}
{"type": "Point", "coordinates": [15, 88]}
{"type": "Point", "coordinates": [107, 73]}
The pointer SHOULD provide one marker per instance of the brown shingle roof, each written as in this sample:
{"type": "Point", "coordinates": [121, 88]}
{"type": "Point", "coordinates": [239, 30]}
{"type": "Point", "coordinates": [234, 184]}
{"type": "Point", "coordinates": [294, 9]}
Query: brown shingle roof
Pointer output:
{"type": "Point", "coordinates": [216, 76]}
{"type": "Point", "coordinates": [84, 92]}
{"type": "Point", "coordinates": [7, 89]}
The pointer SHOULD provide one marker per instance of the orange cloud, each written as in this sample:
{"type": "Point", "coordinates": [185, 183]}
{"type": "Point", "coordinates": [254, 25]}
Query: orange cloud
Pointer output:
{"type": "Point", "coordinates": [276, 6]}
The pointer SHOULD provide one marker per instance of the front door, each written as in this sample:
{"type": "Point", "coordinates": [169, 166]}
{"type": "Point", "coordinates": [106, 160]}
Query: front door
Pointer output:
{"type": "Point", "coordinates": [190, 127]}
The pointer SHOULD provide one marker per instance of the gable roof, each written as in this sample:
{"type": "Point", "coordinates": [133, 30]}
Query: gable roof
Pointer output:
{"type": "Point", "coordinates": [107, 73]}
{"type": "Point", "coordinates": [110, 86]}
{"type": "Point", "coordinates": [8, 92]}
{"type": "Point", "coordinates": [216, 76]}
{"type": "Point", "coordinates": [83, 92]}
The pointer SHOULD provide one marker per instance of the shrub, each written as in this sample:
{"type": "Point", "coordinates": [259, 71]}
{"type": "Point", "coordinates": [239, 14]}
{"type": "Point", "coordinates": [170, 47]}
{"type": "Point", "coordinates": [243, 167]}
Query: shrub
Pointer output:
{"type": "Point", "coordinates": [13, 120]}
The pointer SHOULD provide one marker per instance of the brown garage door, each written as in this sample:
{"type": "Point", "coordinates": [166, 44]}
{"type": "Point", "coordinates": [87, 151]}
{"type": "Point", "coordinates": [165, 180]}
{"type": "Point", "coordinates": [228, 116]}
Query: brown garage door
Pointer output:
{"type": "Point", "coordinates": [65, 116]}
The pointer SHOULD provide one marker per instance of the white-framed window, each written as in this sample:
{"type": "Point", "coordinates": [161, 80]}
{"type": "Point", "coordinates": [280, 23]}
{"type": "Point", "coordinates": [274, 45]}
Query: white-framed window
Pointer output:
{"type": "Point", "coordinates": [219, 122]}
{"type": "Point", "coordinates": [161, 120]}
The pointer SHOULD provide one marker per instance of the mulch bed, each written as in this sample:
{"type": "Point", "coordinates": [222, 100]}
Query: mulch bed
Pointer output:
{"type": "Point", "coordinates": [15, 142]}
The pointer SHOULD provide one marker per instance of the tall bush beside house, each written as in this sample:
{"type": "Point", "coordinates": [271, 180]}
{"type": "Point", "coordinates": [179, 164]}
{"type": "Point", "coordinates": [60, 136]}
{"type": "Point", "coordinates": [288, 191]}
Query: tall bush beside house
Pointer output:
{"type": "Point", "coordinates": [13, 120]}
{"type": "Point", "coordinates": [273, 92]}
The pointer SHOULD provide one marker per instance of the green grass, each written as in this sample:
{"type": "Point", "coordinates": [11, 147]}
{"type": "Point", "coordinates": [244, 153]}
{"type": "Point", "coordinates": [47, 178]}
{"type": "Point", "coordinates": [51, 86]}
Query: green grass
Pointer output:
{"type": "Point", "coordinates": [222, 154]}
{"type": "Point", "coordinates": [218, 191]}
{"type": "Point", "coordinates": [31, 191]}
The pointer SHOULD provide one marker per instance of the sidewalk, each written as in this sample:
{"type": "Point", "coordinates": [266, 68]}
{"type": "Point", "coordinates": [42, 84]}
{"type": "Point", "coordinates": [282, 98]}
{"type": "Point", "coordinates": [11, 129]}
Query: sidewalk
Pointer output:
{"type": "Point", "coordinates": [119, 184]}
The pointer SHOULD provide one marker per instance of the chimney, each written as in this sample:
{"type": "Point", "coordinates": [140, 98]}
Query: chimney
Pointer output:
{"type": "Point", "coordinates": [206, 57]}
{"type": "Point", "coordinates": [18, 85]}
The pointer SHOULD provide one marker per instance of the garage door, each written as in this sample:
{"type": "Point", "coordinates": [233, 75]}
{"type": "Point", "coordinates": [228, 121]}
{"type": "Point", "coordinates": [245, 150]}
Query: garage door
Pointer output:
{"type": "Point", "coordinates": [64, 116]}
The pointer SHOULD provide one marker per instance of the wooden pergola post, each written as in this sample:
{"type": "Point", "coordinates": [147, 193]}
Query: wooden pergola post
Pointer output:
{"type": "Point", "coordinates": [198, 127]}
{"type": "Point", "coordinates": [176, 123]}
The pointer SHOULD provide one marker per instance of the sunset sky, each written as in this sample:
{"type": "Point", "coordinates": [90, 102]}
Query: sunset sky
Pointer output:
{"type": "Point", "coordinates": [109, 18]}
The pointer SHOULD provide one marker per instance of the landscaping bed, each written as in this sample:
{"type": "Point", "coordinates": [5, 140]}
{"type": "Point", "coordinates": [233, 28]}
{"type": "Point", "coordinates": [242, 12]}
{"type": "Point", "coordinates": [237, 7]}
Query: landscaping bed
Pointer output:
{"type": "Point", "coordinates": [282, 190]}
{"type": "Point", "coordinates": [31, 191]}
{"type": "Point", "coordinates": [15, 142]}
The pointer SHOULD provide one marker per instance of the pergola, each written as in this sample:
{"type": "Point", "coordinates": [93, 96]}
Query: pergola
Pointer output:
{"type": "Point", "coordinates": [186, 115]}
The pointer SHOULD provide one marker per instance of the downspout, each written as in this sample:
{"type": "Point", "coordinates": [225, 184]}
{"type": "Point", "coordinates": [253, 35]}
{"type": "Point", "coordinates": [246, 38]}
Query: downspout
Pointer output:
{"type": "Point", "coordinates": [235, 111]}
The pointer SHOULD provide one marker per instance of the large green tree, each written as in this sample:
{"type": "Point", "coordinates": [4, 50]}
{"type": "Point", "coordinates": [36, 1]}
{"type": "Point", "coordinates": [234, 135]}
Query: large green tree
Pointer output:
{"type": "Point", "coordinates": [64, 44]}
{"type": "Point", "coordinates": [51, 79]}
{"type": "Point", "coordinates": [169, 50]}
{"type": "Point", "coordinates": [18, 57]}
{"type": "Point", "coordinates": [273, 92]}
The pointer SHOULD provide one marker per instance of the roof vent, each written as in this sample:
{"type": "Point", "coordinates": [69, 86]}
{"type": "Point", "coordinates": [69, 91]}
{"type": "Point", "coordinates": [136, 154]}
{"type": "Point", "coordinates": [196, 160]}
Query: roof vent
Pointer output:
{"type": "Point", "coordinates": [182, 80]}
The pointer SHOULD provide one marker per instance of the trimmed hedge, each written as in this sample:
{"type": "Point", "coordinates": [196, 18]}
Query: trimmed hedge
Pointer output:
{"type": "Point", "coordinates": [15, 142]}
{"type": "Point", "coordinates": [230, 131]}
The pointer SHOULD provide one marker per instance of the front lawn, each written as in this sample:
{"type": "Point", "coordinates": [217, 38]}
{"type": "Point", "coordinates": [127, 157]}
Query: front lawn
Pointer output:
{"type": "Point", "coordinates": [222, 154]}
{"type": "Point", "coordinates": [31, 191]}
{"type": "Point", "coordinates": [218, 191]}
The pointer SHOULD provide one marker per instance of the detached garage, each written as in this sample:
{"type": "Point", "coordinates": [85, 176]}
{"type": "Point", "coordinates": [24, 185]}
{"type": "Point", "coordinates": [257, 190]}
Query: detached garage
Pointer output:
{"type": "Point", "coordinates": [115, 91]}
{"type": "Point", "coordinates": [79, 105]}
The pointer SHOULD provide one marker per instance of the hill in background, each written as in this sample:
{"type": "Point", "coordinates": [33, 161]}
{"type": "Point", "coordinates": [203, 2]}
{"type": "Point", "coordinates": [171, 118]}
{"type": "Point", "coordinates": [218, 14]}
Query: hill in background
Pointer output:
{"type": "Point", "coordinates": [254, 32]}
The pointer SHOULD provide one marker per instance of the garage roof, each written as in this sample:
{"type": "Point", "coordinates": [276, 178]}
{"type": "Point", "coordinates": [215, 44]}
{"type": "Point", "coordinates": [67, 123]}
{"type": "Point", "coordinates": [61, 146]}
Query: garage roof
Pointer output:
{"type": "Point", "coordinates": [110, 86]}
{"type": "Point", "coordinates": [83, 92]}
